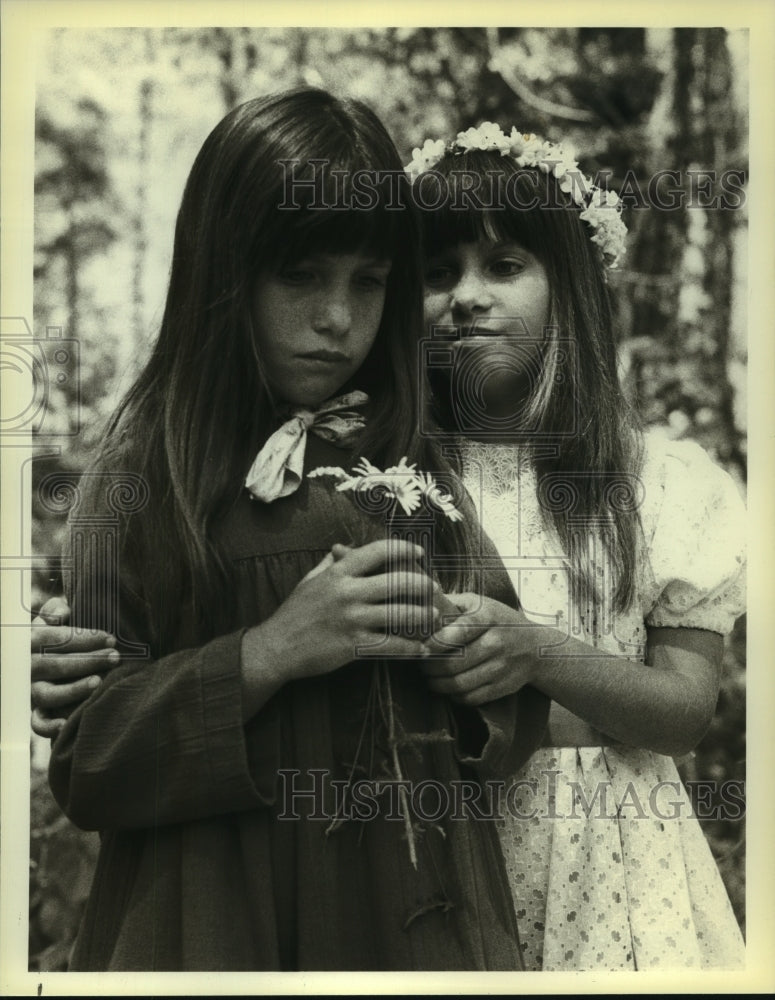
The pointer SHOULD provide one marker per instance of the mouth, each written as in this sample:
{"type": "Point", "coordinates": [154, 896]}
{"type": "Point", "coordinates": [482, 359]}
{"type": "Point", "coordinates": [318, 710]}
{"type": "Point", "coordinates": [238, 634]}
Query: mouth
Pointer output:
{"type": "Point", "coordinates": [481, 330]}
{"type": "Point", "coordinates": [330, 357]}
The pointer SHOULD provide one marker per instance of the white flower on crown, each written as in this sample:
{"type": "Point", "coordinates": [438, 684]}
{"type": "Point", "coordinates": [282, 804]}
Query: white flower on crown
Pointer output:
{"type": "Point", "coordinates": [604, 199]}
{"type": "Point", "coordinates": [487, 137]}
{"type": "Point", "coordinates": [425, 158]}
{"type": "Point", "coordinates": [600, 208]}
{"type": "Point", "coordinates": [525, 148]}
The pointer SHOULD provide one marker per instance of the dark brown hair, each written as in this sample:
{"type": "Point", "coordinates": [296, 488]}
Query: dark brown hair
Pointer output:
{"type": "Point", "coordinates": [580, 431]}
{"type": "Point", "coordinates": [200, 409]}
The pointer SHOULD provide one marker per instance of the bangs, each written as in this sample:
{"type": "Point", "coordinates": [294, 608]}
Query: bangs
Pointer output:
{"type": "Point", "coordinates": [340, 210]}
{"type": "Point", "coordinates": [305, 232]}
{"type": "Point", "coordinates": [482, 196]}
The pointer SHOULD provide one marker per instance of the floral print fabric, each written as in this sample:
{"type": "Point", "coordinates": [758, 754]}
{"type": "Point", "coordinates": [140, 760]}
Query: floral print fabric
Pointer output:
{"type": "Point", "coordinates": [608, 866]}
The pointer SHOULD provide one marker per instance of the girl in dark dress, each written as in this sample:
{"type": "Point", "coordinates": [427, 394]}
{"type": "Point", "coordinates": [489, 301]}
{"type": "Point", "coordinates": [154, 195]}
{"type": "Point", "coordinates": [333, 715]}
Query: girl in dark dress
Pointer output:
{"type": "Point", "coordinates": [245, 762]}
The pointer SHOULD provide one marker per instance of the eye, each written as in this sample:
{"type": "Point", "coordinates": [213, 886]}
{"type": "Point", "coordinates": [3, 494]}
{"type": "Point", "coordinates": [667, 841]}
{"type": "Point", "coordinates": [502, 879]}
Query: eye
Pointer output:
{"type": "Point", "coordinates": [439, 275]}
{"type": "Point", "coordinates": [507, 267]}
{"type": "Point", "coordinates": [296, 275]}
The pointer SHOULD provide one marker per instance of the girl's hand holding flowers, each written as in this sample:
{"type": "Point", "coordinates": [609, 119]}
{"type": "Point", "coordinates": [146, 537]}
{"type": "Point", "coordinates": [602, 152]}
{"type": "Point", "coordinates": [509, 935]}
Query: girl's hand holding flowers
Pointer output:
{"type": "Point", "coordinates": [344, 605]}
{"type": "Point", "coordinates": [500, 652]}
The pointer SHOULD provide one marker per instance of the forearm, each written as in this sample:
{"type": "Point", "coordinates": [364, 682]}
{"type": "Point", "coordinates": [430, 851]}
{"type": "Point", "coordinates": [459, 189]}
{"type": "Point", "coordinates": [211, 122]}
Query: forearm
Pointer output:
{"type": "Point", "coordinates": [264, 668]}
{"type": "Point", "coordinates": [160, 742]}
{"type": "Point", "coordinates": [664, 705]}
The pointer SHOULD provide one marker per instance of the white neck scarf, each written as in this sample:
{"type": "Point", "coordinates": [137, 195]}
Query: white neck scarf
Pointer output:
{"type": "Point", "coordinates": [277, 469]}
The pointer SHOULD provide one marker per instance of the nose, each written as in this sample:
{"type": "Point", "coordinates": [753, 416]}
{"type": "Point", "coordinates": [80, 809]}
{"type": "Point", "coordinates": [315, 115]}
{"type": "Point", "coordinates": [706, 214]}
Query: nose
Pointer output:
{"type": "Point", "coordinates": [471, 296]}
{"type": "Point", "coordinates": [333, 314]}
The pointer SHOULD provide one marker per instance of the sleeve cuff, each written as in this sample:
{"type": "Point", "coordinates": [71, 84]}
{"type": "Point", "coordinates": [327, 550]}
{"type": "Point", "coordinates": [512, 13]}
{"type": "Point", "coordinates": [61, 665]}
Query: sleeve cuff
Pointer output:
{"type": "Point", "coordinates": [243, 759]}
{"type": "Point", "coordinates": [497, 738]}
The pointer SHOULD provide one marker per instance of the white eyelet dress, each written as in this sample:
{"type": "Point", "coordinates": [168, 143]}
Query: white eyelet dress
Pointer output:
{"type": "Point", "coordinates": [609, 868]}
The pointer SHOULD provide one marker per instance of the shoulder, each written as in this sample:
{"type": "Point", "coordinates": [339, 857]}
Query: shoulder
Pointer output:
{"type": "Point", "coordinates": [694, 527]}
{"type": "Point", "coordinates": [684, 489]}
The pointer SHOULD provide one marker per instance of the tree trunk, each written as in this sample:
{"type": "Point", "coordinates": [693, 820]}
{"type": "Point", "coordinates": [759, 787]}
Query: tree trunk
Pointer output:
{"type": "Point", "coordinates": [140, 240]}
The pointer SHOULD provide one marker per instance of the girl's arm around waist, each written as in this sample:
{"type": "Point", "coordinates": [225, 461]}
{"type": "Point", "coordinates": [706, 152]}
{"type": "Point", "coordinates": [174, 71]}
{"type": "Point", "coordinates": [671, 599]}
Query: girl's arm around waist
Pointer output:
{"type": "Point", "coordinates": [165, 741]}
{"type": "Point", "coordinates": [162, 742]}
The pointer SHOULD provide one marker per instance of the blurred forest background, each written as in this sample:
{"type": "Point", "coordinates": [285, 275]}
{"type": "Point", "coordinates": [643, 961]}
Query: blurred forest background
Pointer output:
{"type": "Point", "coordinates": [121, 114]}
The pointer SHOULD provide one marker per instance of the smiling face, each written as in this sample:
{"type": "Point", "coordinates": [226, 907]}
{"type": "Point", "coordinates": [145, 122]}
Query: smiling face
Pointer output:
{"type": "Point", "coordinates": [488, 288]}
{"type": "Point", "coordinates": [315, 322]}
{"type": "Point", "coordinates": [496, 293]}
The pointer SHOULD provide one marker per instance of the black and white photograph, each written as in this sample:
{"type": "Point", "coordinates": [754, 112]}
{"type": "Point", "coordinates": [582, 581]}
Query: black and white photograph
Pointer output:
{"type": "Point", "coordinates": [385, 534]}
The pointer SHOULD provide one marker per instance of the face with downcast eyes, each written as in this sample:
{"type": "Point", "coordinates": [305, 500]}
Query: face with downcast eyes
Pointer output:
{"type": "Point", "coordinates": [497, 295]}
{"type": "Point", "coordinates": [316, 321]}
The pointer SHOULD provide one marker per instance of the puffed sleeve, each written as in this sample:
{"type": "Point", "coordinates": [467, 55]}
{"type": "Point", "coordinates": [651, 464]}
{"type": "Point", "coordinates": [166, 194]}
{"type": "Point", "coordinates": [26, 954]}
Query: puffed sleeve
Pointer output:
{"type": "Point", "coordinates": [695, 525]}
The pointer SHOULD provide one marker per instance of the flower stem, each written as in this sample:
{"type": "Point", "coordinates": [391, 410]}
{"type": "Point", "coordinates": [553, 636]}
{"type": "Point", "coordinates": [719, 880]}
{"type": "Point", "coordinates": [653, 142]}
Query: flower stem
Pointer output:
{"type": "Point", "coordinates": [393, 744]}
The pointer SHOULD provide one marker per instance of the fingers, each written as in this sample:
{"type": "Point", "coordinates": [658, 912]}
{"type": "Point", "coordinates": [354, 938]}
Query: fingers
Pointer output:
{"type": "Point", "coordinates": [462, 632]}
{"type": "Point", "coordinates": [472, 695]}
{"type": "Point", "coordinates": [449, 610]}
{"type": "Point", "coordinates": [484, 609]}
{"type": "Point", "coordinates": [368, 558]}
{"type": "Point", "coordinates": [388, 587]}
{"type": "Point", "coordinates": [487, 670]}
{"type": "Point", "coordinates": [459, 677]}
{"type": "Point", "coordinates": [50, 697]}
{"type": "Point", "coordinates": [391, 646]}
{"type": "Point", "coordinates": [43, 726]}
{"type": "Point", "coordinates": [75, 641]}
{"type": "Point", "coordinates": [56, 611]}
{"type": "Point", "coordinates": [483, 682]}
{"type": "Point", "coordinates": [338, 550]}
{"type": "Point", "coordinates": [479, 614]}
{"type": "Point", "coordinates": [58, 667]}
{"type": "Point", "coordinates": [325, 562]}
{"type": "Point", "coordinates": [473, 655]}
{"type": "Point", "coordinates": [468, 603]}
{"type": "Point", "coordinates": [397, 617]}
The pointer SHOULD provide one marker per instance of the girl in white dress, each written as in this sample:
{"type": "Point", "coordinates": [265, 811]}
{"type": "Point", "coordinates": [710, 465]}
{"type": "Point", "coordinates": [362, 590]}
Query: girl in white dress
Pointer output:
{"type": "Point", "coordinates": [626, 551]}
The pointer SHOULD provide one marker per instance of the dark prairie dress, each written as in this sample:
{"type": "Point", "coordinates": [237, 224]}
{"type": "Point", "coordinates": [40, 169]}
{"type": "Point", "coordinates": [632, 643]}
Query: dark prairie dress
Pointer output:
{"type": "Point", "coordinates": [202, 864]}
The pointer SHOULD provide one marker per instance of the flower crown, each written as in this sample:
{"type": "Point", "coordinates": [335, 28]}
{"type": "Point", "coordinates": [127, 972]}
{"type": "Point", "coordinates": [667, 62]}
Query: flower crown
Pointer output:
{"type": "Point", "coordinates": [600, 208]}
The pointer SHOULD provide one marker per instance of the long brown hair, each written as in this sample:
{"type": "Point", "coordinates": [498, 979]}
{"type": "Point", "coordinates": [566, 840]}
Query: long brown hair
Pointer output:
{"type": "Point", "coordinates": [200, 409]}
{"type": "Point", "coordinates": [581, 434]}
